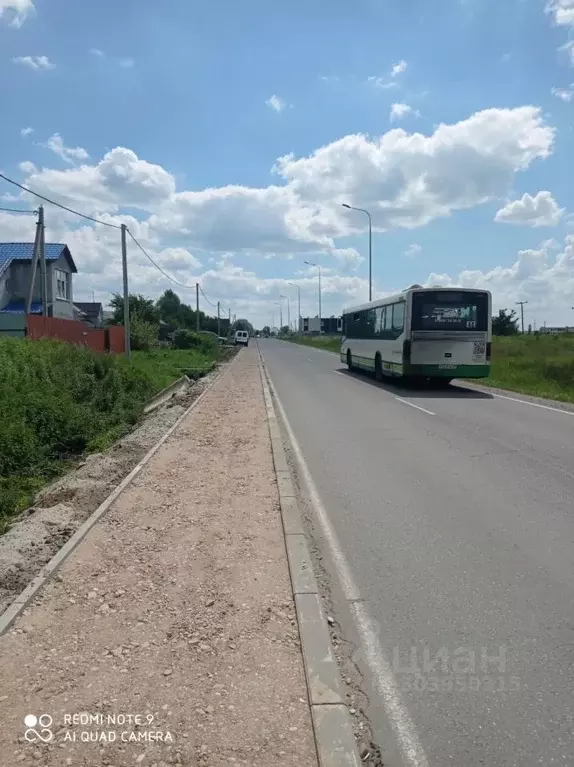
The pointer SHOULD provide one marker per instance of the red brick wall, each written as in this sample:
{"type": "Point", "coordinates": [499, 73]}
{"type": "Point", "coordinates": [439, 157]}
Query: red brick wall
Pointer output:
{"type": "Point", "coordinates": [75, 333]}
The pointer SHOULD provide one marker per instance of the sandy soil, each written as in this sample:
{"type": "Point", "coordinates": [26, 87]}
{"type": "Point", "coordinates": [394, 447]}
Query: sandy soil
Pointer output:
{"type": "Point", "coordinates": [177, 607]}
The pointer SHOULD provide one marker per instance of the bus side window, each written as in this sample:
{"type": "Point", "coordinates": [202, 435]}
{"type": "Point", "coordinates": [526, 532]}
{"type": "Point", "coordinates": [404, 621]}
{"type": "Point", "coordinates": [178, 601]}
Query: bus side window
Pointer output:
{"type": "Point", "coordinates": [399, 316]}
{"type": "Point", "coordinates": [388, 320]}
{"type": "Point", "coordinates": [379, 320]}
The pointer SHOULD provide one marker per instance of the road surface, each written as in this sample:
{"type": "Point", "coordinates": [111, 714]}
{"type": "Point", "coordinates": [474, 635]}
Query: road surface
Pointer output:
{"type": "Point", "coordinates": [455, 513]}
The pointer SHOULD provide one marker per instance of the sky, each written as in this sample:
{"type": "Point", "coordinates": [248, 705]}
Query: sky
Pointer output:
{"type": "Point", "coordinates": [227, 136]}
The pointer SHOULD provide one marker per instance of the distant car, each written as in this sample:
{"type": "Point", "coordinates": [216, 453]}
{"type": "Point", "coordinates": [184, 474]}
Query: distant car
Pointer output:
{"type": "Point", "coordinates": [241, 337]}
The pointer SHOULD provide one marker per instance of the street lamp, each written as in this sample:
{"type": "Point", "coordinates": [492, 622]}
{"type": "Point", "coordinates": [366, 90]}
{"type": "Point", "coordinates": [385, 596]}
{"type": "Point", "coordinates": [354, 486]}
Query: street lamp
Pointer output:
{"type": "Point", "coordinates": [288, 312]}
{"type": "Point", "coordinates": [319, 268]}
{"type": "Point", "coordinates": [280, 305]}
{"type": "Point", "coordinates": [362, 210]}
{"type": "Point", "coordinates": [299, 304]}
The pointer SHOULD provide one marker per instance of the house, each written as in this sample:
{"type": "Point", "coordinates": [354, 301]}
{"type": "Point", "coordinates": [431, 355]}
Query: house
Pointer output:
{"type": "Point", "coordinates": [92, 313]}
{"type": "Point", "coordinates": [15, 273]}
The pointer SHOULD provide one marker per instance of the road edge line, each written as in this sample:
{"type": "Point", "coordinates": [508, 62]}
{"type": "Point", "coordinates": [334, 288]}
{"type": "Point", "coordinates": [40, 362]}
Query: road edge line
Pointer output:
{"type": "Point", "coordinates": [16, 608]}
{"type": "Point", "coordinates": [332, 723]}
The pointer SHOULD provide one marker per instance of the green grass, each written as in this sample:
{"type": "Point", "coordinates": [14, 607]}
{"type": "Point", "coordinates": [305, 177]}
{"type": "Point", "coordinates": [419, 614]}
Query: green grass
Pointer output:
{"type": "Point", "coordinates": [329, 343]}
{"type": "Point", "coordinates": [164, 366]}
{"type": "Point", "coordinates": [540, 365]}
{"type": "Point", "coordinates": [58, 401]}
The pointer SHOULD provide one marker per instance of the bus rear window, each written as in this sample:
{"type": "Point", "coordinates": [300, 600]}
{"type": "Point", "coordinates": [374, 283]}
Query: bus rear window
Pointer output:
{"type": "Point", "coordinates": [449, 310]}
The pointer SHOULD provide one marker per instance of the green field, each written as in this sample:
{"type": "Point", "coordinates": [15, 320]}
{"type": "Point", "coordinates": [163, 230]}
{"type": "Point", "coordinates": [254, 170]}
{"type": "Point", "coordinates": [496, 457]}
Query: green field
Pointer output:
{"type": "Point", "coordinates": [541, 365]}
{"type": "Point", "coordinates": [59, 401]}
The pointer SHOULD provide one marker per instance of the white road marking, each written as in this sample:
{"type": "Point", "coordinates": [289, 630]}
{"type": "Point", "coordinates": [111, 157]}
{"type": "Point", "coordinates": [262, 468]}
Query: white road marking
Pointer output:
{"type": "Point", "coordinates": [534, 404]}
{"type": "Point", "coordinates": [374, 654]}
{"type": "Point", "coordinates": [412, 404]}
{"type": "Point", "coordinates": [399, 399]}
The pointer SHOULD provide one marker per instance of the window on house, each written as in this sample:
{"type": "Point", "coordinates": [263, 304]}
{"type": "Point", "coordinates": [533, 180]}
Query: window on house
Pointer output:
{"type": "Point", "coordinates": [62, 285]}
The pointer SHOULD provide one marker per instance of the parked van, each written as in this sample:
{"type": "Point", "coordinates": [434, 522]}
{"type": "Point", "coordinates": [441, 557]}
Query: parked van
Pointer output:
{"type": "Point", "coordinates": [242, 337]}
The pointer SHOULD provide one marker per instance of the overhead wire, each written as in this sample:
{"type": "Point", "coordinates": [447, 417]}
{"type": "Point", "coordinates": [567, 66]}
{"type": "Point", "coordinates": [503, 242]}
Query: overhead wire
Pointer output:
{"type": "Point", "coordinates": [58, 204]}
{"type": "Point", "coordinates": [14, 210]}
{"type": "Point", "coordinates": [102, 223]}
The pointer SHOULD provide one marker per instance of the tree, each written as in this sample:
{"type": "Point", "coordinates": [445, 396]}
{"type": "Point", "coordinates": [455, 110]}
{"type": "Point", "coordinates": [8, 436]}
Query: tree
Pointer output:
{"type": "Point", "coordinates": [266, 332]}
{"type": "Point", "coordinates": [242, 325]}
{"type": "Point", "coordinates": [140, 306]}
{"type": "Point", "coordinates": [505, 323]}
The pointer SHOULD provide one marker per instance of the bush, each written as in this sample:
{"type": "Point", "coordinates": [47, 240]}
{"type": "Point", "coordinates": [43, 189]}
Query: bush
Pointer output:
{"type": "Point", "coordinates": [57, 400]}
{"type": "Point", "coordinates": [186, 339]}
{"type": "Point", "coordinates": [143, 335]}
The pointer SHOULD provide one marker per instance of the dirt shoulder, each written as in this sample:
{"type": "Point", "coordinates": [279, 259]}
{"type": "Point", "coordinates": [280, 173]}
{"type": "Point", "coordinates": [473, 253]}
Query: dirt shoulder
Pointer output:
{"type": "Point", "coordinates": [177, 607]}
{"type": "Point", "coordinates": [62, 506]}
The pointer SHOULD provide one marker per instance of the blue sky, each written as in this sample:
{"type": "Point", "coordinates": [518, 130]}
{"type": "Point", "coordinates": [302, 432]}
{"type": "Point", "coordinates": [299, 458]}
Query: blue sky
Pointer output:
{"type": "Point", "coordinates": [173, 117]}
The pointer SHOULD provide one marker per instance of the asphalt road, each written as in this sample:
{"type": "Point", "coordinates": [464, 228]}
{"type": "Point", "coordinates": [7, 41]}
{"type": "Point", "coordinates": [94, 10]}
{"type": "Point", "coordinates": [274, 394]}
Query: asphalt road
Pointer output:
{"type": "Point", "coordinates": [455, 512]}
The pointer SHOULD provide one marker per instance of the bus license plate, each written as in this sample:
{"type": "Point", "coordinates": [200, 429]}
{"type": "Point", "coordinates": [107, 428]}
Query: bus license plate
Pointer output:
{"type": "Point", "coordinates": [446, 367]}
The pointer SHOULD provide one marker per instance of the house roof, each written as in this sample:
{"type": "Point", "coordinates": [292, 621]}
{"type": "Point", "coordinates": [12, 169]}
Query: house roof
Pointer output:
{"type": "Point", "coordinates": [24, 251]}
{"type": "Point", "coordinates": [90, 309]}
{"type": "Point", "coordinates": [19, 307]}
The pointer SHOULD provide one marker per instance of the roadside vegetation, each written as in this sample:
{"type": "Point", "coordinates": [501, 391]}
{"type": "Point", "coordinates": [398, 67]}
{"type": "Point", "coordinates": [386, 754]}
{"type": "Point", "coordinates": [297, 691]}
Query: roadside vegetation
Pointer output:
{"type": "Point", "coordinates": [59, 401]}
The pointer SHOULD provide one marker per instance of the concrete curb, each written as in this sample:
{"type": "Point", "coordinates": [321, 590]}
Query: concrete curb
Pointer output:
{"type": "Point", "coordinates": [334, 738]}
{"type": "Point", "coordinates": [25, 597]}
{"type": "Point", "coordinates": [166, 394]}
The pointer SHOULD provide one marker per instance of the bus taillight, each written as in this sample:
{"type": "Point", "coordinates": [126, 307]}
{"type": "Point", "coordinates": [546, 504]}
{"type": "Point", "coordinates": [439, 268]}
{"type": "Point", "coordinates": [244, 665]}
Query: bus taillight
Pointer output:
{"type": "Point", "coordinates": [488, 351]}
{"type": "Point", "coordinates": [406, 352]}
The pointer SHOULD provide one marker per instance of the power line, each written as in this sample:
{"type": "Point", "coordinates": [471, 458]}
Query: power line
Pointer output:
{"type": "Point", "coordinates": [13, 210]}
{"type": "Point", "coordinates": [207, 299]}
{"type": "Point", "coordinates": [58, 204]}
{"type": "Point", "coordinates": [157, 266]}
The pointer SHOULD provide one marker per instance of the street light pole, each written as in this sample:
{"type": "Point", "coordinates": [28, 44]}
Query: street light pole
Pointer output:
{"type": "Point", "coordinates": [280, 305]}
{"type": "Point", "coordinates": [320, 318]}
{"type": "Point", "coordinates": [288, 311]}
{"type": "Point", "coordinates": [299, 304]}
{"type": "Point", "coordinates": [362, 210]}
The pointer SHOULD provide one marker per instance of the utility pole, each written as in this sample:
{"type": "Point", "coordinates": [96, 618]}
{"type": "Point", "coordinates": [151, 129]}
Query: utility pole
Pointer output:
{"type": "Point", "coordinates": [197, 306]}
{"type": "Point", "coordinates": [521, 304]}
{"type": "Point", "coordinates": [127, 333]}
{"type": "Point", "coordinates": [218, 321]}
{"type": "Point", "coordinates": [43, 270]}
{"type": "Point", "coordinates": [35, 256]}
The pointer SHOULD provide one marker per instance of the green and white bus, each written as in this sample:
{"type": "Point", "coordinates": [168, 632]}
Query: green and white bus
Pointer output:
{"type": "Point", "coordinates": [434, 334]}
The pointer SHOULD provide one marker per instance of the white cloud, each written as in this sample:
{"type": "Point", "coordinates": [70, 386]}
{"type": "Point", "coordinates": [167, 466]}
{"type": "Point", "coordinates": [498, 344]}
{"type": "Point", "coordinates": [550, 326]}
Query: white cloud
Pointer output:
{"type": "Point", "coordinates": [568, 48]}
{"type": "Point", "coordinates": [34, 62]}
{"type": "Point", "coordinates": [127, 63]}
{"type": "Point", "coordinates": [119, 179]}
{"type": "Point", "coordinates": [26, 132]}
{"type": "Point", "coordinates": [380, 82]}
{"type": "Point", "coordinates": [17, 11]}
{"type": "Point", "coordinates": [413, 250]}
{"type": "Point", "coordinates": [398, 111]}
{"type": "Point", "coordinates": [276, 103]}
{"type": "Point", "coordinates": [56, 144]}
{"type": "Point", "coordinates": [97, 52]}
{"type": "Point", "coordinates": [565, 94]}
{"type": "Point", "coordinates": [540, 210]}
{"type": "Point", "coordinates": [562, 11]}
{"type": "Point", "coordinates": [545, 281]}
{"type": "Point", "coordinates": [404, 179]}
{"type": "Point", "coordinates": [399, 68]}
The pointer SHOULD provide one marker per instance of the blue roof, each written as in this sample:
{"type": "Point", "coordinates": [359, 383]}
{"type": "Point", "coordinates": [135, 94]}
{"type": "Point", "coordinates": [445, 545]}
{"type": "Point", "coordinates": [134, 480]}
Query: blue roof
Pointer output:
{"type": "Point", "coordinates": [23, 251]}
{"type": "Point", "coordinates": [19, 307]}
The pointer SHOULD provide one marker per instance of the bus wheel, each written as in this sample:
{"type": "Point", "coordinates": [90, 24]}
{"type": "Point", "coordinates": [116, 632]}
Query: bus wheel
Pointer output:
{"type": "Point", "coordinates": [349, 359]}
{"type": "Point", "coordinates": [378, 368]}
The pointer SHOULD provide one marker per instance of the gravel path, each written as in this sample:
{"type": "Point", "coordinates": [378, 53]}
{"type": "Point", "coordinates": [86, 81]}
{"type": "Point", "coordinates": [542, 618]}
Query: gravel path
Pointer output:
{"type": "Point", "coordinates": [176, 608]}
